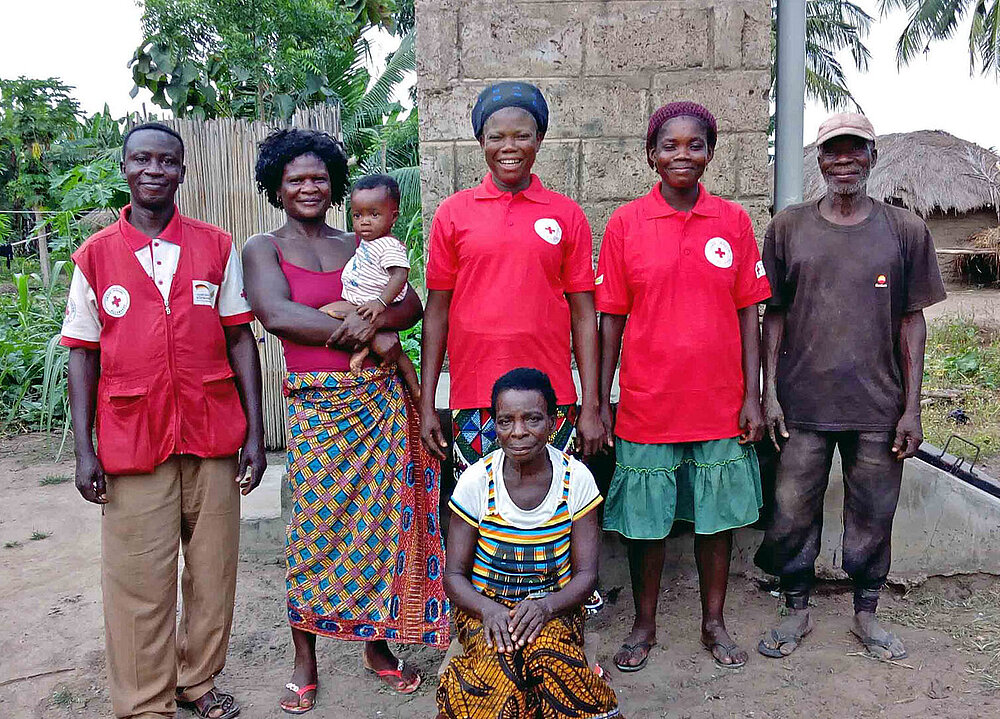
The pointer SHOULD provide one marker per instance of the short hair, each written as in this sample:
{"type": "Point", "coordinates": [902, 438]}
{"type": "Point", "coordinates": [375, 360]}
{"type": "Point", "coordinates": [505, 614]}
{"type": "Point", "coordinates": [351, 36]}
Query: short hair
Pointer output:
{"type": "Point", "coordinates": [282, 146]}
{"type": "Point", "coordinates": [159, 126]}
{"type": "Point", "coordinates": [527, 379]}
{"type": "Point", "coordinates": [372, 182]}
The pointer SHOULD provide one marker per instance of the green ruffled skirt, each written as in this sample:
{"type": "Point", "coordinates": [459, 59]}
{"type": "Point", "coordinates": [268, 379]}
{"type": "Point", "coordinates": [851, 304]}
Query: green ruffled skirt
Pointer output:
{"type": "Point", "coordinates": [715, 485]}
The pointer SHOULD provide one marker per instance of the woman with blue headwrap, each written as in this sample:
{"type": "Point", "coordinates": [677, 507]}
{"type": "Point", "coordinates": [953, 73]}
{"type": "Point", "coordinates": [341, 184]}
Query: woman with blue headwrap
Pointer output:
{"type": "Point", "coordinates": [510, 284]}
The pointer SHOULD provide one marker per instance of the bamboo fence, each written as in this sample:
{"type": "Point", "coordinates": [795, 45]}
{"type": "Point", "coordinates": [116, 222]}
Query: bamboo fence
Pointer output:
{"type": "Point", "coordinates": [219, 188]}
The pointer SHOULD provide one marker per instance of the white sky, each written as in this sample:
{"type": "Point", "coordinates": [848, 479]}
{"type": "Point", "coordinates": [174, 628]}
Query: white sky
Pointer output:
{"type": "Point", "coordinates": [88, 44]}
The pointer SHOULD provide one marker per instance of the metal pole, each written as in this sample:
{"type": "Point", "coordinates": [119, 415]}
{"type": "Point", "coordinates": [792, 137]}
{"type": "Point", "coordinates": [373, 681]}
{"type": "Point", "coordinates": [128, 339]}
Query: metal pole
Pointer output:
{"type": "Point", "coordinates": [790, 102]}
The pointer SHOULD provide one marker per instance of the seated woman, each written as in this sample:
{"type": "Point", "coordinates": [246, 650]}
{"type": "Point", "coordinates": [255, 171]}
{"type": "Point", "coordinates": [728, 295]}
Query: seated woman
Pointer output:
{"type": "Point", "coordinates": [521, 561]}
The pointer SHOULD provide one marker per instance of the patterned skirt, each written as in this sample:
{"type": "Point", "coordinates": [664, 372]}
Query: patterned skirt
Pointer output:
{"type": "Point", "coordinates": [363, 549]}
{"type": "Point", "coordinates": [476, 435]}
{"type": "Point", "coordinates": [548, 678]}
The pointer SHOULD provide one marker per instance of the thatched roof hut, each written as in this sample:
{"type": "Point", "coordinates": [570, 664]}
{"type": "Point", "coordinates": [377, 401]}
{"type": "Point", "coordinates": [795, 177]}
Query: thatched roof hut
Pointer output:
{"type": "Point", "coordinates": [928, 171]}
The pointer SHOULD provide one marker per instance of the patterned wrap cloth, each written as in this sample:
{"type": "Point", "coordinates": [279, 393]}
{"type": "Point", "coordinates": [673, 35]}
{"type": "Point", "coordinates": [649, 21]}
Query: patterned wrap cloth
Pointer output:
{"type": "Point", "coordinates": [548, 678]}
{"type": "Point", "coordinates": [364, 553]}
{"type": "Point", "coordinates": [476, 435]}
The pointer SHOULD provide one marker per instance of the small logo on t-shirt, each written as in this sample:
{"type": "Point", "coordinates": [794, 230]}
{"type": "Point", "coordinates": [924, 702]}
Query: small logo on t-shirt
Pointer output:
{"type": "Point", "coordinates": [758, 269]}
{"type": "Point", "coordinates": [599, 280]}
{"type": "Point", "coordinates": [549, 230]}
{"type": "Point", "coordinates": [116, 301]}
{"type": "Point", "coordinates": [204, 292]}
{"type": "Point", "coordinates": [719, 252]}
{"type": "Point", "coordinates": [881, 281]}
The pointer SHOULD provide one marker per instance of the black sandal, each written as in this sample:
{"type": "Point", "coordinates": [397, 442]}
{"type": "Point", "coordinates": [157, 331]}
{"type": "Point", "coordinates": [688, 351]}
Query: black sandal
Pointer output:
{"type": "Point", "coordinates": [217, 700]}
{"type": "Point", "coordinates": [630, 648]}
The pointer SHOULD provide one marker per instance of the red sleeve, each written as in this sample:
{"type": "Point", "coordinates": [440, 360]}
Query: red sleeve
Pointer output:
{"type": "Point", "coordinates": [442, 256]}
{"type": "Point", "coordinates": [751, 280]}
{"type": "Point", "coordinates": [613, 294]}
{"type": "Point", "coordinates": [578, 263]}
{"type": "Point", "coordinates": [241, 319]}
{"type": "Point", "coordinates": [73, 342]}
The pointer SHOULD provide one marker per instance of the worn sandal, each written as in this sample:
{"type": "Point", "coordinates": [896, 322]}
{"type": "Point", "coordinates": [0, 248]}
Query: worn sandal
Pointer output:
{"type": "Point", "coordinates": [728, 649]}
{"type": "Point", "coordinates": [781, 638]}
{"type": "Point", "coordinates": [218, 700]}
{"type": "Point", "coordinates": [299, 709]}
{"type": "Point", "coordinates": [871, 643]}
{"type": "Point", "coordinates": [631, 648]}
{"type": "Point", "coordinates": [397, 673]}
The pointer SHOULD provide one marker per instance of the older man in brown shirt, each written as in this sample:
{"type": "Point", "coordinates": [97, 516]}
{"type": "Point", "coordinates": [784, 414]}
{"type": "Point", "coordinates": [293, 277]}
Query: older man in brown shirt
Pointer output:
{"type": "Point", "coordinates": [843, 339]}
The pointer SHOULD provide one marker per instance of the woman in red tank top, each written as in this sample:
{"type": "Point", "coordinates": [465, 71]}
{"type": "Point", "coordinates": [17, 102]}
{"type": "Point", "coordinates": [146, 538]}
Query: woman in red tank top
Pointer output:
{"type": "Point", "coordinates": [363, 548]}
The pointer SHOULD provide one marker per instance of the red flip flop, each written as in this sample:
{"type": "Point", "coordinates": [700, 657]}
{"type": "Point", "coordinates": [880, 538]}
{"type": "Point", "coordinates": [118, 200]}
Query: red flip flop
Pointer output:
{"type": "Point", "coordinates": [397, 673]}
{"type": "Point", "coordinates": [293, 687]}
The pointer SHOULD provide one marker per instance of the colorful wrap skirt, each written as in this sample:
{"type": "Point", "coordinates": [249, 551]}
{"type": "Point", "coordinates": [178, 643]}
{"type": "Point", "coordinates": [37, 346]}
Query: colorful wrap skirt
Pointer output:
{"type": "Point", "coordinates": [363, 550]}
{"type": "Point", "coordinates": [476, 435]}
{"type": "Point", "coordinates": [714, 485]}
{"type": "Point", "coordinates": [548, 678]}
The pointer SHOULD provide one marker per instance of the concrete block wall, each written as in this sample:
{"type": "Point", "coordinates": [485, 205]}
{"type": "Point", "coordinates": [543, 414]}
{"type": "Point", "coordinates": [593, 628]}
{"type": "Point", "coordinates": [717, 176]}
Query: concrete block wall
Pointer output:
{"type": "Point", "coordinates": [604, 67]}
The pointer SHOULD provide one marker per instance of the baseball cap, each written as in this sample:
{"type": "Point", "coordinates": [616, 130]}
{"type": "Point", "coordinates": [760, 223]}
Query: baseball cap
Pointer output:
{"type": "Point", "coordinates": [845, 123]}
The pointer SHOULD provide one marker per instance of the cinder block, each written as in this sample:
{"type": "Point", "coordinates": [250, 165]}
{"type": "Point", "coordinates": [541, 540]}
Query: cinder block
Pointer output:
{"type": "Point", "coordinates": [638, 37]}
{"type": "Point", "coordinates": [446, 112]}
{"type": "Point", "coordinates": [437, 46]}
{"type": "Point", "coordinates": [757, 36]}
{"type": "Point", "coordinates": [759, 209]}
{"type": "Point", "coordinates": [727, 24]}
{"type": "Point", "coordinates": [556, 165]}
{"type": "Point", "coordinates": [596, 106]}
{"type": "Point", "coordinates": [720, 176]}
{"type": "Point", "coordinates": [598, 214]}
{"type": "Point", "coordinates": [504, 39]}
{"type": "Point", "coordinates": [754, 170]}
{"type": "Point", "coordinates": [737, 98]}
{"type": "Point", "coordinates": [437, 176]}
{"type": "Point", "coordinates": [615, 169]}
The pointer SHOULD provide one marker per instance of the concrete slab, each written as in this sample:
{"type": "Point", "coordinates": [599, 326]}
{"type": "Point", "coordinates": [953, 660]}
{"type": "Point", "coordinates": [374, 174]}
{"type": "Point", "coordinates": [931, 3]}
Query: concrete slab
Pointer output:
{"type": "Point", "coordinates": [943, 527]}
{"type": "Point", "coordinates": [265, 501]}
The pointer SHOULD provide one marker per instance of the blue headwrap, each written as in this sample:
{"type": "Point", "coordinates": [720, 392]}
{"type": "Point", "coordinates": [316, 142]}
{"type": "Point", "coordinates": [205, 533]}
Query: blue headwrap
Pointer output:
{"type": "Point", "coordinates": [510, 94]}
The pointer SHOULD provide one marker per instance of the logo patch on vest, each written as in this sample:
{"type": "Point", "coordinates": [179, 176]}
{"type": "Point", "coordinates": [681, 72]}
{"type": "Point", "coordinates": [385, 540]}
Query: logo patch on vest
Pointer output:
{"type": "Point", "coordinates": [881, 281]}
{"type": "Point", "coordinates": [549, 230]}
{"type": "Point", "coordinates": [204, 292]}
{"type": "Point", "coordinates": [116, 301]}
{"type": "Point", "coordinates": [758, 269]}
{"type": "Point", "coordinates": [719, 252]}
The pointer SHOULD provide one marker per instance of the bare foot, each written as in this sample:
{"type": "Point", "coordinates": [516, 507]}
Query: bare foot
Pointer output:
{"type": "Point", "coordinates": [635, 649]}
{"type": "Point", "coordinates": [785, 639]}
{"type": "Point", "coordinates": [717, 640]}
{"type": "Point", "coordinates": [379, 658]}
{"type": "Point", "coordinates": [880, 643]}
{"type": "Point", "coordinates": [303, 675]}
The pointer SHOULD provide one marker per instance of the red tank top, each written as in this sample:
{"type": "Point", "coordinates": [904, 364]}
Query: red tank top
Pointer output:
{"type": "Point", "coordinates": [314, 289]}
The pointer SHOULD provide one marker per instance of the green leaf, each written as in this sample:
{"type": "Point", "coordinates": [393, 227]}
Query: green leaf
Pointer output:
{"type": "Point", "coordinates": [968, 363]}
{"type": "Point", "coordinates": [284, 105]}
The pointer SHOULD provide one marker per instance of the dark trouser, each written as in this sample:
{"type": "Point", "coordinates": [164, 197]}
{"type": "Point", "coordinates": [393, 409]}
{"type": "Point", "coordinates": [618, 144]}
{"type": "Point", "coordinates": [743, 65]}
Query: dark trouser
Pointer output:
{"type": "Point", "coordinates": [872, 477]}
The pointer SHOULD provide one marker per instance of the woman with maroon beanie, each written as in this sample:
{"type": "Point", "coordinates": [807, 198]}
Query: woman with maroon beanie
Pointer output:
{"type": "Point", "coordinates": [678, 282]}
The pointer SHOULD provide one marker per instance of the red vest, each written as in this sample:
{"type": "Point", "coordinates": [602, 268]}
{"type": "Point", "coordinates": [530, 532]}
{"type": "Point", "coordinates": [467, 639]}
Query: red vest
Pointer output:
{"type": "Point", "coordinates": [166, 386]}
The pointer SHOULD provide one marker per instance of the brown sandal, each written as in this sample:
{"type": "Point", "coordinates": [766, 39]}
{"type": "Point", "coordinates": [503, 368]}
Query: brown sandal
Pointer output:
{"type": "Point", "coordinates": [217, 700]}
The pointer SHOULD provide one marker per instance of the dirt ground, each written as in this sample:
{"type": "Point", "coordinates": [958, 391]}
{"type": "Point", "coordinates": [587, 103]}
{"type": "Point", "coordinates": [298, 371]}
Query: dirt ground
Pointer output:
{"type": "Point", "coordinates": [52, 665]}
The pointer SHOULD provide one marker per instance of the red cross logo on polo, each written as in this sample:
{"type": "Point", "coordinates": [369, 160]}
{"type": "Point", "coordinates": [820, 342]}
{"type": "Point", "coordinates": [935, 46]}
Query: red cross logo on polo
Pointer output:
{"type": "Point", "coordinates": [549, 230]}
{"type": "Point", "coordinates": [881, 281]}
{"type": "Point", "coordinates": [719, 252]}
{"type": "Point", "coordinates": [116, 301]}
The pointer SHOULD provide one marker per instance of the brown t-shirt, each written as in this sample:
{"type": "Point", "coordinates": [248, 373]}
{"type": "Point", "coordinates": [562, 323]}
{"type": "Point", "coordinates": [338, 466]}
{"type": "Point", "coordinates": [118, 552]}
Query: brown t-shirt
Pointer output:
{"type": "Point", "coordinates": [844, 290]}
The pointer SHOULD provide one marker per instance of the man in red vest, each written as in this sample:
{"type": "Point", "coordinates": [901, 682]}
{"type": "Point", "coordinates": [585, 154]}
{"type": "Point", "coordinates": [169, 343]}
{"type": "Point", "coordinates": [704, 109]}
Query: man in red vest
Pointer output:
{"type": "Point", "coordinates": [163, 357]}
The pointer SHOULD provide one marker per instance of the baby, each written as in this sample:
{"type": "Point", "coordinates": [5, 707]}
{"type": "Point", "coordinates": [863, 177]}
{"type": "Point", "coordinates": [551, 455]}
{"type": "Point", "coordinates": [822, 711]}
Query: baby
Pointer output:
{"type": "Point", "coordinates": [377, 274]}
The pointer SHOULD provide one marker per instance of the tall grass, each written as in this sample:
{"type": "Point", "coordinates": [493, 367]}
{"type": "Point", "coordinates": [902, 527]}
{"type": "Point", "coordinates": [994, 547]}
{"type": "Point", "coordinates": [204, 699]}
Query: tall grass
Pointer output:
{"type": "Point", "coordinates": [32, 363]}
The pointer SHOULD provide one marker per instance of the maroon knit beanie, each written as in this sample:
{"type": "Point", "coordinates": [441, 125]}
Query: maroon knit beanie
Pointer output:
{"type": "Point", "coordinates": [678, 109]}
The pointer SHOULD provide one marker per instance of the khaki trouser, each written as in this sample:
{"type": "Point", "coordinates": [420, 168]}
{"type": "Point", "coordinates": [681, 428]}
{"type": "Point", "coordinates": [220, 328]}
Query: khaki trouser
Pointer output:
{"type": "Point", "coordinates": [186, 501]}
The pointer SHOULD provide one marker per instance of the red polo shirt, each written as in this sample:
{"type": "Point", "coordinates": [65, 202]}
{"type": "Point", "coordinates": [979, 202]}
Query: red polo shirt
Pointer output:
{"type": "Point", "coordinates": [680, 277]}
{"type": "Point", "coordinates": [509, 260]}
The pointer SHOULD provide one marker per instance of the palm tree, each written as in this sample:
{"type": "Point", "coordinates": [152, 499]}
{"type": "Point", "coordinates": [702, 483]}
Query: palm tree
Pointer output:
{"type": "Point", "coordinates": [931, 20]}
{"type": "Point", "coordinates": [831, 26]}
